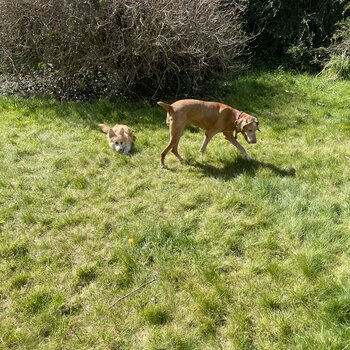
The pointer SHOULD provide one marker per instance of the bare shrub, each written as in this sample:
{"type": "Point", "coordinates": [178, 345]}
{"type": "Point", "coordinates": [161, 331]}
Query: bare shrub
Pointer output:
{"type": "Point", "coordinates": [111, 47]}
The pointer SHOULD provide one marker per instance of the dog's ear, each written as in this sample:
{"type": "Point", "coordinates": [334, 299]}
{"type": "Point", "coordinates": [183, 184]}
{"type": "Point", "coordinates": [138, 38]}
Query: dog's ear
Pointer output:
{"type": "Point", "coordinates": [257, 123]}
{"type": "Point", "coordinates": [121, 131]}
{"type": "Point", "coordinates": [241, 124]}
{"type": "Point", "coordinates": [105, 128]}
{"type": "Point", "coordinates": [111, 133]}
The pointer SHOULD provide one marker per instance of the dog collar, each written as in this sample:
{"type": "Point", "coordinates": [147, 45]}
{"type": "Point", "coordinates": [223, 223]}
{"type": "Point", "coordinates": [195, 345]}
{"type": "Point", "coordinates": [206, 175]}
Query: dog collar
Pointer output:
{"type": "Point", "coordinates": [239, 114]}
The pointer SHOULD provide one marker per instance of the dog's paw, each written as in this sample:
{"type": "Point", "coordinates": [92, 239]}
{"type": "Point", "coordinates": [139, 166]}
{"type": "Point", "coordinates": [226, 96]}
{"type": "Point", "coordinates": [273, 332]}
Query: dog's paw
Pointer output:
{"type": "Point", "coordinates": [248, 158]}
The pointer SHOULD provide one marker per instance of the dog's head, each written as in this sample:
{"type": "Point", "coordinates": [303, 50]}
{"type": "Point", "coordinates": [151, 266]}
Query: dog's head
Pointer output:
{"type": "Point", "coordinates": [118, 137]}
{"type": "Point", "coordinates": [117, 140]}
{"type": "Point", "coordinates": [247, 125]}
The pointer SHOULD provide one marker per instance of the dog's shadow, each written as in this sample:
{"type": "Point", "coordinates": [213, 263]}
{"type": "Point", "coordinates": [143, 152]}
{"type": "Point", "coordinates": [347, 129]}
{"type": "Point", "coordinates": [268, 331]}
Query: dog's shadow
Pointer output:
{"type": "Point", "coordinates": [241, 166]}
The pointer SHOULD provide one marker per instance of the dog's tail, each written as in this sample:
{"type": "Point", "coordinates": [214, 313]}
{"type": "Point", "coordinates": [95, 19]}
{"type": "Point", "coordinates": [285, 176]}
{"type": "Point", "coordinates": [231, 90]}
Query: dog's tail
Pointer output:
{"type": "Point", "coordinates": [169, 109]}
{"type": "Point", "coordinates": [105, 128]}
{"type": "Point", "coordinates": [165, 106]}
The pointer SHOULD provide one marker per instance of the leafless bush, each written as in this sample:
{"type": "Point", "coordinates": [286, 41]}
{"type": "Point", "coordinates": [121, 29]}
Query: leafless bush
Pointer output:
{"type": "Point", "coordinates": [112, 47]}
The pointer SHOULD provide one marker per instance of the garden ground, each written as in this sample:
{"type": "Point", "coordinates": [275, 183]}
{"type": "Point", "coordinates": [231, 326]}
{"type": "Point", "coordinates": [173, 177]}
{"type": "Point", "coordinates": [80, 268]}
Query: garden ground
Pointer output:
{"type": "Point", "coordinates": [236, 254]}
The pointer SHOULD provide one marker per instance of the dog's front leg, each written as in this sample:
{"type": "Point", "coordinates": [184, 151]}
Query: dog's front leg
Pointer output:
{"type": "Point", "coordinates": [229, 137]}
{"type": "Point", "coordinates": [208, 137]}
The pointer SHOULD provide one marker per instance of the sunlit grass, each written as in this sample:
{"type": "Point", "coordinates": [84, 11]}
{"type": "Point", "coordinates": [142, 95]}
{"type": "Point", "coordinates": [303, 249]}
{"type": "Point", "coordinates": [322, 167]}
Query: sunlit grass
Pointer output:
{"type": "Point", "coordinates": [244, 255]}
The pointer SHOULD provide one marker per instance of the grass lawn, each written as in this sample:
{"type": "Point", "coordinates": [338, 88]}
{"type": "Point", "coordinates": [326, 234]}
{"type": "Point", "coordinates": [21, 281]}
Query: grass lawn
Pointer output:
{"type": "Point", "coordinates": [105, 251]}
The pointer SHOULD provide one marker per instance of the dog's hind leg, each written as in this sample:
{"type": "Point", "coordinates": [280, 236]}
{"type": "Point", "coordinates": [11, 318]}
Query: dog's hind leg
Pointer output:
{"type": "Point", "coordinates": [172, 145]}
{"type": "Point", "coordinates": [175, 151]}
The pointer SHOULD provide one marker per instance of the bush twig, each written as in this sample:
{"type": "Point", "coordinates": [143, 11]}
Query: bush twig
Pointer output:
{"type": "Point", "coordinates": [133, 291]}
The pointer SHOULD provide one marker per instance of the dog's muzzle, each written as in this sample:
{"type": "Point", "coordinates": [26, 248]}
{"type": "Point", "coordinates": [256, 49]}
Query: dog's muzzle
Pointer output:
{"type": "Point", "coordinates": [119, 149]}
{"type": "Point", "coordinates": [249, 139]}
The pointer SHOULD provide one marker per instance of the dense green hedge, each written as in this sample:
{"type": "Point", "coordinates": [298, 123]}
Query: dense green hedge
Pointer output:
{"type": "Point", "coordinates": [294, 33]}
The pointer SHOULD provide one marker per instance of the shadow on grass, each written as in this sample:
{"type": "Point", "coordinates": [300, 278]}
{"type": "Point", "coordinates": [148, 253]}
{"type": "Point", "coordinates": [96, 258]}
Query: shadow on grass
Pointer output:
{"type": "Point", "coordinates": [90, 114]}
{"type": "Point", "coordinates": [241, 166]}
{"type": "Point", "coordinates": [254, 92]}
{"type": "Point", "coordinates": [263, 94]}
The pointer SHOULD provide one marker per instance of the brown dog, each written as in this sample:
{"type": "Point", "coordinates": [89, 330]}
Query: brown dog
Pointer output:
{"type": "Point", "coordinates": [213, 117]}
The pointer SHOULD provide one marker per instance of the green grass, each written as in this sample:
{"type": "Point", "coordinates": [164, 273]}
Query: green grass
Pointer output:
{"type": "Point", "coordinates": [245, 255]}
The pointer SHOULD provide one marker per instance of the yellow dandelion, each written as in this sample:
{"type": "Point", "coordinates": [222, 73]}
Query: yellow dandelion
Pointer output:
{"type": "Point", "coordinates": [131, 241]}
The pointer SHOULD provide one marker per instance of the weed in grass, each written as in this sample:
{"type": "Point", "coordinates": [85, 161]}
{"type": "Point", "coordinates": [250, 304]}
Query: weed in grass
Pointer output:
{"type": "Point", "coordinates": [85, 275]}
{"type": "Point", "coordinates": [156, 314]}
{"type": "Point", "coordinates": [40, 300]}
{"type": "Point", "coordinates": [69, 309]}
{"type": "Point", "coordinates": [311, 264]}
{"type": "Point", "coordinates": [171, 339]}
{"type": "Point", "coordinates": [15, 249]}
{"type": "Point", "coordinates": [338, 307]}
{"type": "Point", "coordinates": [271, 302]}
{"type": "Point", "coordinates": [126, 266]}
{"type": "Point", "coordinates": [241, 330]}
{"type": "Point", "coordinates": [20, 280]}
